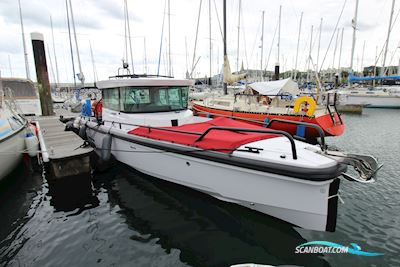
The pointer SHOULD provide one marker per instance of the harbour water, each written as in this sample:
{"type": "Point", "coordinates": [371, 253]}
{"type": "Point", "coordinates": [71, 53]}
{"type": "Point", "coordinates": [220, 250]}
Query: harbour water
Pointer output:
{"type": "Point", "coordinates": [125, 218]}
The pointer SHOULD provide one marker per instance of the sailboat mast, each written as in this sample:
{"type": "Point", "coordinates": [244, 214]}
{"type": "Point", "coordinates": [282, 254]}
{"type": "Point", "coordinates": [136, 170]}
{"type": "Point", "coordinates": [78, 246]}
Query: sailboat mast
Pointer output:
{"type": "Point", "coordinates": [225, 53]}
{"type": "Point", "coordinates": [319, 43]}
{"type": "Point", "coordinates": [54, 52]}
{"type": "Point", "coordinates": [376, 60]}
{"type": "Point", "coordinates": [309, 55]}
{"type": "Point", "coordinates": [238, 37]}
{"type": "Point", "coordinates": [354, 25]}
{"type": "Point", "coordinates": [340, 53]}
{"type": "Point", "coordinates": [70, 43]}
{"type": "Point", "coordinates": [161, 41]}
{"type": "Point", "coordinates": [387, 38]}
{"type": "Point", "coordinates": [278, 45]}
{"type": "Point", "coordinates": [186, 57]}
{"type": "Point", "coordinates": [23, 42]}
{"type": "Point", "coordinates": [93, 64]}
{"type": "Point", "coordinates": [81, 77]}
{"type": "Point", "coordinates": [297, 49]}
{"type": "Point", "coordinates": [279, 34]}
{"type": "Point", "coordinates": [9, 65]}
{"type": "Point", "coordinates": [195, 41]}
{"type": "Point", "coordinates": [51, 67]}
{"type": "Point", "coordinates": [145, 55]}
{"type": "Point", "coordinates": [262, 44]}
{"type": "Point", "coordinates": [362, 58]}
{"type": "Point", "coordinates": [209, 31]}
{"type": "Point", "coordinates": [129, 35]}
{"type": "Point", "coordinates": [169, 40]}
{"type": "Point", "coordinates": [334, 54]}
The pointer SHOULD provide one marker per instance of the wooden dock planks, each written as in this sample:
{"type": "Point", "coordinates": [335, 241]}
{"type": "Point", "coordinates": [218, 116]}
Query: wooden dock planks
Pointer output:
{"type": "Point", "coordinates": [66, 155]}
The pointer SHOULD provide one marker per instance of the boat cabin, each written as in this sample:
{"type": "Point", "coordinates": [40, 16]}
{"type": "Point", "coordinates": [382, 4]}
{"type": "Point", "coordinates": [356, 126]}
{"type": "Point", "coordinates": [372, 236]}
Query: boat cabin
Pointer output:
{"type": "Point", "coordinates": [145, 95]}
{"type": "Point", "coordinates": [146, 100]}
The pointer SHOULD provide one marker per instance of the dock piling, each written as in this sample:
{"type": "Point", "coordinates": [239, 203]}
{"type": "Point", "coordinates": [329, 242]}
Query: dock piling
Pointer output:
{"type": "Point", "coordinates": [42, 74]}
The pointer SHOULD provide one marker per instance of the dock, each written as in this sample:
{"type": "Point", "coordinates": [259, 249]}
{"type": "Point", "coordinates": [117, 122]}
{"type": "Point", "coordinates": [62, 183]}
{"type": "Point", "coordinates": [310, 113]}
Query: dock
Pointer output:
{"type": "Point", "coordinates": [355, 109]}
{"type": "Point", "coordinates": [63, 152]}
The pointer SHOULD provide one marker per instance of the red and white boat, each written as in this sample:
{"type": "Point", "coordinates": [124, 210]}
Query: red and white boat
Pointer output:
{"type": "Point", "coordinates": [264, 102]}
{"type": "Point", "coordinates": [146, 125]}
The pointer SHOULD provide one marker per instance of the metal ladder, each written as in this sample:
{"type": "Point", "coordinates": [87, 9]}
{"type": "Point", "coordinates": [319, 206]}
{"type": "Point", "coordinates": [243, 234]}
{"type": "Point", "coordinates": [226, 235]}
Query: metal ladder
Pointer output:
{"type": "Point", "coordinates": [331, 107]}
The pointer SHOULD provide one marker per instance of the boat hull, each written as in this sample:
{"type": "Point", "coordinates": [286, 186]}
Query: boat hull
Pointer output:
{"type": "Point", "coordinates": [269, 193]}
{"type": "Point", "coordinates": [325, 121]}
{"type": "Point", "coordinates": [10, 151]}
{"type": "Point", "coordinates": [373, 101]}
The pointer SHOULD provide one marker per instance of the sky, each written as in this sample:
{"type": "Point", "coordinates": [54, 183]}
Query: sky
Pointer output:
{"type": "Point", "coordinates": [100, 23]}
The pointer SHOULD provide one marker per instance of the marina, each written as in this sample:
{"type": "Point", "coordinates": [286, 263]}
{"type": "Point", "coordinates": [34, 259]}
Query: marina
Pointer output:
{"type": "Point", "coordinates": [162, 156]}
{"type": "Point", "coordinates": [128, 218]}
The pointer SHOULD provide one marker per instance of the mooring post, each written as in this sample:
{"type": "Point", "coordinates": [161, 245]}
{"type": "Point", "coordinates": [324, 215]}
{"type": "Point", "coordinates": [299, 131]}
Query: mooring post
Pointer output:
{"type": "Point", "coordinates": [42, 74]}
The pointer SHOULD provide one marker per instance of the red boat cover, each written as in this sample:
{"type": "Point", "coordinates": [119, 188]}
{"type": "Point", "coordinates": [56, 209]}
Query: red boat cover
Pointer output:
{"type": "Point", "coordinates": [223, 141]}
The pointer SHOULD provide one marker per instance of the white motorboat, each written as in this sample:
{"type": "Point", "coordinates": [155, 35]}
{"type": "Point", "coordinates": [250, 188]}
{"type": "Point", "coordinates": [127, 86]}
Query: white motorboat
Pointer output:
{"type": "Point", "coordinates": [379, 97]}
{"type": "Point", "coordinates": [12, 136]}
{"type": "Point", "coordinates": [25, 95]}
{"type": "Point", "coordinates": [146, 125]}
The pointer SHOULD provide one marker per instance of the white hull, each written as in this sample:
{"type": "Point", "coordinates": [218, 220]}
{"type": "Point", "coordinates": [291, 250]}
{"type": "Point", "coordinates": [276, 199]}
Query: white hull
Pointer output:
{"type": "Point", "coordinates": [370, 99]}
{"type": "Point", "coordinates": [30, 106]}
{"type": "Point", "coordinates": [300, 202]}
{"type": "Point", "coordinates": [10, 152]}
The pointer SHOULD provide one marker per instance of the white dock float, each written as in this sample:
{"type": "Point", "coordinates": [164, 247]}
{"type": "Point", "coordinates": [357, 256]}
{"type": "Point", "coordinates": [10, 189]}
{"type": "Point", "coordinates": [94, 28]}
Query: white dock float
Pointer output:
{"type": "Point", "coordinates": [61, 150]}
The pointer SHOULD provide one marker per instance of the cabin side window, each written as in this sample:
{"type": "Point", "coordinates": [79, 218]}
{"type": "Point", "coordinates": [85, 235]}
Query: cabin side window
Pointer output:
{"type": "Point", "coordinates": [153, 99]}
{"type": "Point", "coordinates": [111, 98]}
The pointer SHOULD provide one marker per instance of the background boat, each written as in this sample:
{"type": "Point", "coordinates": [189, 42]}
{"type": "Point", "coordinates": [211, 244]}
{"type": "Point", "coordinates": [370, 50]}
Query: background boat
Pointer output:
{"type": "Point", "coordinates": [12, 135]}
{"type": "Point", "coordinates": [262, 102]}
{"type": "Point", "coordinates": [25, 95]}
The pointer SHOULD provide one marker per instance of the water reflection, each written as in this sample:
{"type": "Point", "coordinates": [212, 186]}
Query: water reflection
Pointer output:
{"type": "Point", "coordinates": [208, 232]}
{"type": "Point", "coordinates": [18, 196]}
{"type": "Point", "coordinates": [72, 193]}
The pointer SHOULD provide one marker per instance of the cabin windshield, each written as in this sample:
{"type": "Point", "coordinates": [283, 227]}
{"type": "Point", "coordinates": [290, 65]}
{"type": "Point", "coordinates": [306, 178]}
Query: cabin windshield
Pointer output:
{"type": "Point", "coordinates": [146, 99]}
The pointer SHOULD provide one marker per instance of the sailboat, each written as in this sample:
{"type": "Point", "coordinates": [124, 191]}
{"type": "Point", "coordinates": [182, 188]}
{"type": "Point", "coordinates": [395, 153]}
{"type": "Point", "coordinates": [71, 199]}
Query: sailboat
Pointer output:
{"type": "Point", "coordinates": [265, 102]}
{"type": "Point", "coordinates": [12, 134]}
{"type": "Point", "coordinates": [372, 96]}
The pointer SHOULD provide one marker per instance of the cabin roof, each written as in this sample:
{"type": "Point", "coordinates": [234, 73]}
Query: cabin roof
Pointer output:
{"type": "Point", "coordinates": [138, 82]}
